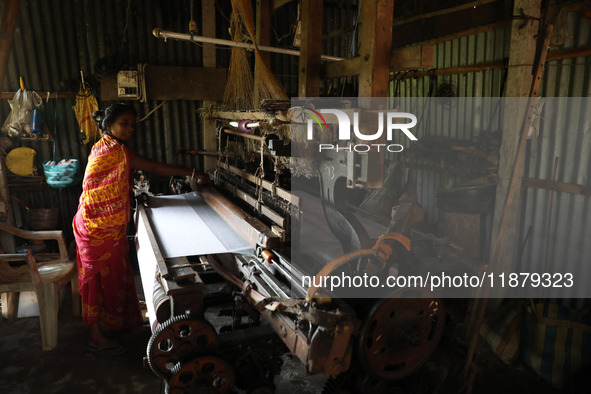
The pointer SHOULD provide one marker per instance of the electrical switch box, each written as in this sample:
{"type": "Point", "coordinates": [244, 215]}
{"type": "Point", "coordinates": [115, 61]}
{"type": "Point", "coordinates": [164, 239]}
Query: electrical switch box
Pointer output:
{"type": "Point", "coordinates": [128, 84]}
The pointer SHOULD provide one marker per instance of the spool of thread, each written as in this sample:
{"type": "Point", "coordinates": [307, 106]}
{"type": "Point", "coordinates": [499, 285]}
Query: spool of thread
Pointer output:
{"type": "Point", "coordinates": [242, 126]}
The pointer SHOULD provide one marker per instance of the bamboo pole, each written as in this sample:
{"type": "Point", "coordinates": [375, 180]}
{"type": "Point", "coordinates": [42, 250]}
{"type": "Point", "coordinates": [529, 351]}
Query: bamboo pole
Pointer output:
{"type": "Point", "coordinates": [249, 136]}
{"type": "Point", "coordinates": [218, 41]}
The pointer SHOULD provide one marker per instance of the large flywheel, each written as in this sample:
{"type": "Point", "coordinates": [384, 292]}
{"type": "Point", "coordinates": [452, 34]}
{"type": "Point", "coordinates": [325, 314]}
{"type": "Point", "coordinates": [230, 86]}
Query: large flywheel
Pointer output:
{"type": "Point", "coordinates": [201, 375]}
{"type": "Point", "coordinates": [177, 340]}
{"type": "Point", "coordinates": [399, 334]}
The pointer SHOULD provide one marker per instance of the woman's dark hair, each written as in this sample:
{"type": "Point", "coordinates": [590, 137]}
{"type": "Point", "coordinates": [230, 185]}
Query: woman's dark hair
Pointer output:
{"type": "Point", "coordinates": [110, 115]}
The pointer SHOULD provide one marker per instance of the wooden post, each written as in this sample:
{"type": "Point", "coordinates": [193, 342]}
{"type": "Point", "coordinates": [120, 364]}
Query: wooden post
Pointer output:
{"type": "Point", "coordinates": [506, 210]}
{"type": "Point", "coordinates": [263, 28]}
{"type": "Point", "coordinates": [519, 82]}
{"type": "Point", "coordinates": [262, 37]}
{"type": "Point", "coordinates": [376, 47]}
{"type": "Point", "coordinates": [7, 26]}
{"type": "Point", "coordinates": [310, 46]}
{"type": "Point", "coordinates": [209, 60]}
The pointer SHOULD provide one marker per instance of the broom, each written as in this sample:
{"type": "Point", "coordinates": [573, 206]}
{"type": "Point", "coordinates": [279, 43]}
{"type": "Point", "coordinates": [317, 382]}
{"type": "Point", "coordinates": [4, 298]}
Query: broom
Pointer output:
{"type": "Point", "coordinates": [266, 87]}
{"type": "Point", "coordinates": [239, 87]}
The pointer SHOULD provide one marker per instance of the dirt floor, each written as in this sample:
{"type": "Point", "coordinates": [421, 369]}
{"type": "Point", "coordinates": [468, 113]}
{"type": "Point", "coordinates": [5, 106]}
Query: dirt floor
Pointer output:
{"type": "Point", "coordinates": [69, 368]}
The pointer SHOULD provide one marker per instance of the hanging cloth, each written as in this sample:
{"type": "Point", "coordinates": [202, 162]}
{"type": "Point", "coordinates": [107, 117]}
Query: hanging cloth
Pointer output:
{"type": "Point", "coordinates": [85, 106]}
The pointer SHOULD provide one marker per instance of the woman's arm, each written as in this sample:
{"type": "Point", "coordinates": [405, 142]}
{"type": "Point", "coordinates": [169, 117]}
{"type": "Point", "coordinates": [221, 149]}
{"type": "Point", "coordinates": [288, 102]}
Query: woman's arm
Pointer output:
{"type": "Point", "coordinates": [141, 163]}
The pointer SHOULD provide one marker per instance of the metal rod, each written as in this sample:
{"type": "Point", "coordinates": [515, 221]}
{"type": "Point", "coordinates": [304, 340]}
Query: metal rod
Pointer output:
{"type": "Point", "coordinates": [218, 41]}
{"type": "Point", "coordinates": [296, 286]}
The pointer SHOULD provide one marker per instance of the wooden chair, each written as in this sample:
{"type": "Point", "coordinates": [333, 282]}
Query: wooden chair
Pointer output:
{"type": "Point", "coordinates": [43, 273]}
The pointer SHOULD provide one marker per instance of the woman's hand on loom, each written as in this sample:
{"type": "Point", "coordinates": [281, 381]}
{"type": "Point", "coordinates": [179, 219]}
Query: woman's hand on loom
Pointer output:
{"type": "Point", "coordinates": [199, 179]}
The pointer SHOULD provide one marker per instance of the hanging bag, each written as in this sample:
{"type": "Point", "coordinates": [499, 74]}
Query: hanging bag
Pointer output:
{"type": "Point", "coordinates": [18, 122]}
{"type": "Point", "coordinates": [85, 106]}
{"type": "Point", "coordinates": [557, 343]}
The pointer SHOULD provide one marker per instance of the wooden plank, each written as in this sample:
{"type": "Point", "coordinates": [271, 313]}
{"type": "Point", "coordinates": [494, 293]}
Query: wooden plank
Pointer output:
{"type": "Point", "coordinates": [343, 68]}
{"type": "Point", "coordinates": [252, 230]}
{"type": "Point", "coordinates": [310, 47]}
{"type": "Point", "coordinates": [445, 11]}
{"type": "Point", "coordinates": [569, 53]}
{"type": "Point", "coordinates": [208, 30]}
{"type": "Point", "coordinates": [250, 200]}
{"type": "Point", "coordinates": [554, 55]}
{"type": "Point", "coordinates": [376, 46]}
{"type": "Point", "coordinates": [412, 58]}
{"type": "Point", "coordinates": [175, 83]}
{"type": "Point", "coordinates": [469, 32]}
{"type": "Point", "coordinates": [280, 3]}
{"type": "Point", "coordinates": [208, 17]}
{"type": "Point", "coordinates": [253, 115]}
{"type": "Point", "coordinates": [453, 70]}
{"type": "Point", "coordinates": [286, 195]}
{"type": "Point", "coordinates": [191, 282]}
{"type": "Point", "coordinates": [185, 83]}
{"type": "Point", "coordinates": [422, 30]}
{"type": "Point", "coordinates": [43, 95]}
{"type": "Point", "coordinates": [571, 188]}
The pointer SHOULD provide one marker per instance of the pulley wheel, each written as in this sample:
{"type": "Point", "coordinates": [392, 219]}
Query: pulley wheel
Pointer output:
{"type": "Point", "coordinates": [400, 334]}
{"type": "Point", "coordinates": [203, 375]}
{"type": "Point", "coordinates": [177, 340]}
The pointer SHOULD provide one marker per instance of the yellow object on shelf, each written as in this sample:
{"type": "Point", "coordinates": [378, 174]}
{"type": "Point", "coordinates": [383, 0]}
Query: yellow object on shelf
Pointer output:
{"type": "Point", "coordinates": [20, 161]}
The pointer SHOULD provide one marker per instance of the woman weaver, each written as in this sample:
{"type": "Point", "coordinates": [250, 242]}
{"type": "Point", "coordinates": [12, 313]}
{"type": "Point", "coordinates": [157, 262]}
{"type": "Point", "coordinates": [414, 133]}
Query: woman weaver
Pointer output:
{"type": "Point", "coordinates": [109, 298]}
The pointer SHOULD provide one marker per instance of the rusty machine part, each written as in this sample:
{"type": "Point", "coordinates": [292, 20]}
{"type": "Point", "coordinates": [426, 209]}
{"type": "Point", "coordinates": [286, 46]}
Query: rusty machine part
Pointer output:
{"type": "Point", "coordinates": [388, 251]}
{"type": "Point", "coordinates": [205, 374]}
{"type": "Point", "coordinates": [319, 335]}
{"type": "Point", "coordinates": [176, 341]}
{"type": "Point", "coordinates": [399, 334]}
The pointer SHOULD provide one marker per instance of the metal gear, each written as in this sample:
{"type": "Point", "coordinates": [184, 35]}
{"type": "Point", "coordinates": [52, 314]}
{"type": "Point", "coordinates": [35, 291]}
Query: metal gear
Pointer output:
{"type": "Point", "coordinates": [400, 334]}
{"type": "Point", "coordinates": [177, 340]}
{"type": "Point", "coordinates": [202, 375]}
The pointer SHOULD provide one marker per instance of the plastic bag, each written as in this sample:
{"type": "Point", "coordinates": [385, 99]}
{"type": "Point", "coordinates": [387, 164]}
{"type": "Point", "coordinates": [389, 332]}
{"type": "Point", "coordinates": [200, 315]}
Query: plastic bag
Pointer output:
{"type": "Point", "coordinates": [557, 343]}
{"type": "Point", "coordinates": [18, 122]}
{"type": "Point", "coordinates": [85, 106]}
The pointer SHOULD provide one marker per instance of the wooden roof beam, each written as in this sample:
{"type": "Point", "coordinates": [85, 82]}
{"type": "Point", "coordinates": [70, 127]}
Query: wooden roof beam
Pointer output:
{"type": "Point", "coordinates": [432, 26]}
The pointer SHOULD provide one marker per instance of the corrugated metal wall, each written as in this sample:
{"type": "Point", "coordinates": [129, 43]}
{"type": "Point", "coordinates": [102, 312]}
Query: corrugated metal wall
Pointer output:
{"type": "Point", "coordinates": [564, 144]}
{"type": "Point", "coordinates": [338, 21]}
{"type": "Point", "coordinates": [56, 39]}
{"type": "Point", "coordinates": [479, 48]}
{"type": "Point", "coordinates": [568, 215]}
